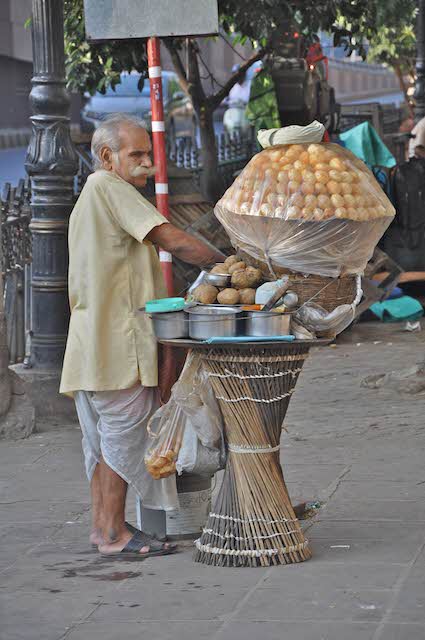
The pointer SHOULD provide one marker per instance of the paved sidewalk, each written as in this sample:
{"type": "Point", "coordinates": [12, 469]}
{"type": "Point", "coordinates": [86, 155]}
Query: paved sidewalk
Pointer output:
{"type": "Point", "coordinates": [359, 451]}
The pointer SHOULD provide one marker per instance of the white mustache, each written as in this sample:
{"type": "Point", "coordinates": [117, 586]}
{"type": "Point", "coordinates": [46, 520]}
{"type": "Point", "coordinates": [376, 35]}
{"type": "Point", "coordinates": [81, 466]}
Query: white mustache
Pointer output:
{"type": "Point", "coordinates": [143, 171]}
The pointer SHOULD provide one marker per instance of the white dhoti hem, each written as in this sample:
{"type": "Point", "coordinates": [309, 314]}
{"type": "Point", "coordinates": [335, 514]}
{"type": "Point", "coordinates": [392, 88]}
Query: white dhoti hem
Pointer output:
{"type": "Point", "coordinates": [114, 427]}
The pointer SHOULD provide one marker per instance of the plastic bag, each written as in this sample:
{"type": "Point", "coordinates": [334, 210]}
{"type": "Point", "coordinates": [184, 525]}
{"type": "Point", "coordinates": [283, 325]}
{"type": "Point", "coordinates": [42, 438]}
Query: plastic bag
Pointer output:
{"type": "Point", "coordinates": [294, 134]}
{"type": "Point", "coordinates": [195, 457]}
{"type": "Point", "coordinates": [192, 412]}
{"type": "Point", "coordinates": [315, 318]}
{"type": "Point", "coordinates": [311, 208]}
{"type": "Point", "coordinates": [165, 429]}
{"type": "Point", "coordinates": [323, 323]}
{"type": "Point", "coordinates": [194, 394]}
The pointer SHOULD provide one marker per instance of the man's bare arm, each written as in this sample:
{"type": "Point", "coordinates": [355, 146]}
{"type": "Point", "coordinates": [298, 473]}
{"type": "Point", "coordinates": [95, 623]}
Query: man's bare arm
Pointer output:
{"type": "Point", "coordinates": [184, 246]}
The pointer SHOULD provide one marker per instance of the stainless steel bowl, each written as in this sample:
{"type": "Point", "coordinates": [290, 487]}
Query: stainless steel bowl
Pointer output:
{"type": "Point", "coordinates": [168, 326]}
{"type": "Point", "coordinates": [218, 279]}
{"type": "Point", "coordinates": [262, 323]}
{"type": "Point", "coordinates": [209, 322]}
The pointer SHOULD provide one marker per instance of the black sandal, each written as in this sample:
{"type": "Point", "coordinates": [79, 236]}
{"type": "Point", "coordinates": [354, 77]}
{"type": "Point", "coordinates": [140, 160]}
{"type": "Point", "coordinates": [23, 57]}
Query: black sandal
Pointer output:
{"type": "Point", "coordinates": [137, 542]}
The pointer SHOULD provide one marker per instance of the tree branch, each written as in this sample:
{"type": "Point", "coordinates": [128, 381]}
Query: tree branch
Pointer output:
{"type": "Point", "coordinates": [195, 83]}
{"type": "Point", "coordinates": [210, 74]}
{"type": "Point", "coordinates": [178, 64]}
{"type": "Point", "coordinates": [229, 44]}
{"type": "Point", "coordinates": [218, 97]}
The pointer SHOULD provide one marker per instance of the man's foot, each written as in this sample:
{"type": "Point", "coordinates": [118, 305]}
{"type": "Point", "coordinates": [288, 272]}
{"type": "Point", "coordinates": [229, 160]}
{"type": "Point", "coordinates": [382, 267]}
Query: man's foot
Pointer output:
{"type": "Point", "coordinates": [138, 544]}
{"type": "Point", "coordinates": [96, 537]}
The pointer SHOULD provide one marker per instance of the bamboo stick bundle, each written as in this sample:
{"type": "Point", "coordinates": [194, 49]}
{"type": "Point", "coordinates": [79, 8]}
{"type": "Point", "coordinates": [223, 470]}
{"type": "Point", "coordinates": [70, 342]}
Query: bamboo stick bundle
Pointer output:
{"type": "Point", "coordinates": [253, 522]}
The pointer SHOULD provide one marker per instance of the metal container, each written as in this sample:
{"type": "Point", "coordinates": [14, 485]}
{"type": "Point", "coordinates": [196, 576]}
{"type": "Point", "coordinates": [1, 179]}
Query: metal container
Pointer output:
{"type": "Point", "coordinates": [261, 323]}
{"type": "Point", "coordinates": [209, 322]}
{"type": "Point", "coordinates": [168, 326]}
{"type": "Point", "coordinates": [218, 279]}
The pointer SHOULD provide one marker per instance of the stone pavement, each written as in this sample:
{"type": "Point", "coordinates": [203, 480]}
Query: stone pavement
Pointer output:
{"type": "Point", "coordinates": [359, 451]}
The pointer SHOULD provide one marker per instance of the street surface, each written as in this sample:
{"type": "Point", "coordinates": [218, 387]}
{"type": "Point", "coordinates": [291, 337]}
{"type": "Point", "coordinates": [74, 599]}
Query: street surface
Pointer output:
{"type": "Point", "coordinates": [360, 452]}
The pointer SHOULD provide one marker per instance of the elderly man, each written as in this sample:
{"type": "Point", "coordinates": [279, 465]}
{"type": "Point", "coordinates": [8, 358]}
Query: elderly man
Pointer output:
{"type": "Point", "coordinates": [110, 364]}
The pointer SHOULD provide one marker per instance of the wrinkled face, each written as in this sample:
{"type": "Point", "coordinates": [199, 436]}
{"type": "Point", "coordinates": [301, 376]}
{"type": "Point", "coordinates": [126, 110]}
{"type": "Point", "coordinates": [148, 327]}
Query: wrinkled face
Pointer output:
{"type": "Point", "coordinates": [133, 161]}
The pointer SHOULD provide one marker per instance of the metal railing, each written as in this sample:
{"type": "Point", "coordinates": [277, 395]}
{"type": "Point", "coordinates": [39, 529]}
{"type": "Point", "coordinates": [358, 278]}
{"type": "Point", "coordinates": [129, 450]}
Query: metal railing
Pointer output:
{"type": "Point", "coordinates": [233, 151]}
{"type": "Point", "coordinates": [16, 265]}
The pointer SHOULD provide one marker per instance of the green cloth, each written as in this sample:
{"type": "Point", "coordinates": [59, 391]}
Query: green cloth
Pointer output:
{"type": "Point", "coordinates": [365, 143]}
{"type": "Point", "coordinates": [398, 309]}
{"type": "Point", "coordinates": [262, 109]}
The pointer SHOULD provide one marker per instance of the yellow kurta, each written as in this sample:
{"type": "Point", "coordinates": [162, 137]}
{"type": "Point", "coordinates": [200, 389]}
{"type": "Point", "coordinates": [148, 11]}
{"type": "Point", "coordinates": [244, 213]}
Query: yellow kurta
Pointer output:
{"type": "Point", "coordinates": [113, 271]}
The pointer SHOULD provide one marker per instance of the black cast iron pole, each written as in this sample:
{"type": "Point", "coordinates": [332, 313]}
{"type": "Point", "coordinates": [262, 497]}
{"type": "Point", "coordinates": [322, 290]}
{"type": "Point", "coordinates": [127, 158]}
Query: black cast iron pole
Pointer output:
{"type": "Point", "coordinates": [419, 94]}
{"type": "Point", "coordinates": [52, 163]}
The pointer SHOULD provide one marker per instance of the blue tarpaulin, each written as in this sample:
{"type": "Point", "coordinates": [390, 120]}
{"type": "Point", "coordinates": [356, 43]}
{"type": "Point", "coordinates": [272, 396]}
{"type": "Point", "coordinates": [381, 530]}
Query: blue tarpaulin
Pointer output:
{"type": "Point", "coordinates": [366, 144]}
{"type": "Point", "coordinates": [398, 309]}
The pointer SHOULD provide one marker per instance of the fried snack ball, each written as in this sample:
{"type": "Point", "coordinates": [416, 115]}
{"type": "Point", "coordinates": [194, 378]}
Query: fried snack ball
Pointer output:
{"type": "Point", "coordinates": [228, 296]}
{"type": "Point", "coordinates": [248, 278]}
{"type": "Point", "coordinates": [221, 267]}
{"type": "Point", "coordinates": [236, 267]}
{"type": "Point", "coordinates": [161, 464]}
{"type": "Point", "coordinates": [231, 260]}
{"type": "Point", "coordinates": [205, 293]}
{"type": "Point", "coordinates": [324, 178]}
{"type": "Point", "coordinates": [247, 296]}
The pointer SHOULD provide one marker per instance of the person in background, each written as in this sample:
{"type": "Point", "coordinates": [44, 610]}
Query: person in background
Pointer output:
{"type": "Point", "coordinates": [111, 360]}
{"type": "Point", "coordinates": [234, 118]}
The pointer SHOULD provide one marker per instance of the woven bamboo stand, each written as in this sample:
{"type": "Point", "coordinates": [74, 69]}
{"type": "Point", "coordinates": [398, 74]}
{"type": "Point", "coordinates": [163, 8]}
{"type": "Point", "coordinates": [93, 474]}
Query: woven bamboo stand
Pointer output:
{"type": "Point", "coordinates": [253, 522]}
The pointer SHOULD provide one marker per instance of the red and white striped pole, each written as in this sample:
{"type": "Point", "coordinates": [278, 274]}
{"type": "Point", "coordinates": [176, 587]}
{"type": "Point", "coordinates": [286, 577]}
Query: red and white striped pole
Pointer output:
{"type": "Point", "coordinates": [159, 152]}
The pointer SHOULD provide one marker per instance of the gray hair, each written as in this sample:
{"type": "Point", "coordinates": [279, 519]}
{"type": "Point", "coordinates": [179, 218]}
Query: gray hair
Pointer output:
{"type": "Point", "coordinates": [108, 135]}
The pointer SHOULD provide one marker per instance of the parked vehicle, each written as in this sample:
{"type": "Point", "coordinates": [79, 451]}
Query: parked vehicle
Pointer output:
{"type": "Point", "coordinates": [300, 75]}
{"type": "Point", "coordinates": [180, 119]}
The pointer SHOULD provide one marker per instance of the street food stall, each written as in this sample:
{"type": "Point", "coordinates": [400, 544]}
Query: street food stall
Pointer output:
{"type": "Point", "coordinates": [304, 218]}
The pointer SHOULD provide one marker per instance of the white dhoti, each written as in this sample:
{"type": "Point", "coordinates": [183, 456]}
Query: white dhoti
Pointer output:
{"type": "Point", "coordinates": [114, 427]}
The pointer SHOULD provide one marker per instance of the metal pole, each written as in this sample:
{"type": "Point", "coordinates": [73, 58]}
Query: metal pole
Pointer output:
{"type": "Point", "coordinates": [419, 94]}
{"type": "Point", "coordinates": [51, 163]}
{"type": "Point", "coordinates": [159, 152]}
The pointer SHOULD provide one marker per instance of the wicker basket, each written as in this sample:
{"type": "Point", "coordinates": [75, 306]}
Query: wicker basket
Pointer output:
{"type": "Point", "coordinates": [327, 292]}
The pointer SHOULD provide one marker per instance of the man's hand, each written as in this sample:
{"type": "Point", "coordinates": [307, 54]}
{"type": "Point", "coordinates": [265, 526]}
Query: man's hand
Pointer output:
{"type": "Point", "coordinates": [167, 373]}
{"type": "Point", "coordinates": [184, 246]}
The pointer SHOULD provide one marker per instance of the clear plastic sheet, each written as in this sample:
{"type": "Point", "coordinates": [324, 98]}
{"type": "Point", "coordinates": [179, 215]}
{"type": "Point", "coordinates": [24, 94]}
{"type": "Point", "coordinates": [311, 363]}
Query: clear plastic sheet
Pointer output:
{"type": "Point", "coordinates": [311, 208]}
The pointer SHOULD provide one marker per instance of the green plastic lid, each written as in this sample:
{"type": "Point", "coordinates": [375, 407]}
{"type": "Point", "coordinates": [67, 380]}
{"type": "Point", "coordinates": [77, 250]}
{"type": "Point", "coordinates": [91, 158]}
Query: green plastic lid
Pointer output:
{"type": "Point", "coordinates": [165, 305]}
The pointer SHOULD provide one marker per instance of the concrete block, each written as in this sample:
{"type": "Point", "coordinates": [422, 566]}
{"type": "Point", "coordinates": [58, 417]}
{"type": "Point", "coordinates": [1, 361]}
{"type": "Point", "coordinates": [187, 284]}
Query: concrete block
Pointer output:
{"type": "Point", "coordinates": [317, 573]}
{"type": "Point", "coordinates": [351, 552]}
{"type": "Point", "coordinates": [297, 631]}
{"type": "Point", "coordinates": [375, 510]}
{"type": "Point", "coordinates": [165, 605]}
{"type": "Point", "coordinates": [176, 630]}
{"type": "Point", "coordinates": [406, 631]}
{"type": "Point", "coordinates": [44, 609]}
{"type": "Point", "coordinates": [43, 389]}
{"type": "Point", "coordinates": [363, 605]}
{"type": "Point", "coordinates": [410, 603]}
{"type": "Point", "coordinates": [19, 420]}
